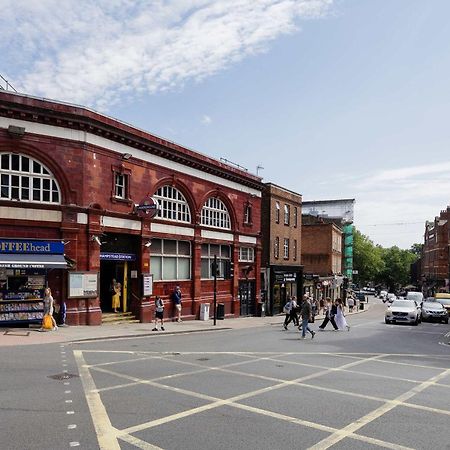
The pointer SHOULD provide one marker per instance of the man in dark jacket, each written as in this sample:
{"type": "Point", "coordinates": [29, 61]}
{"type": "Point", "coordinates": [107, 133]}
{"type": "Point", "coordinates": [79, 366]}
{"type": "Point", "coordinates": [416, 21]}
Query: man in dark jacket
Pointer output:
{"type": "Point", "coordinates": [329, 315]}
{"type": "Point", "coordinates": [306, 314]}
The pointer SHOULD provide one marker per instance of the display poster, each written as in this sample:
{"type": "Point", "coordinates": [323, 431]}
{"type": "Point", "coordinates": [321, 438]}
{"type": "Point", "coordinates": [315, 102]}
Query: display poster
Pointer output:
{"type": "Point", "coordinates": [83, 284]}
{"type": "Point", "coordinates": [147, 283]}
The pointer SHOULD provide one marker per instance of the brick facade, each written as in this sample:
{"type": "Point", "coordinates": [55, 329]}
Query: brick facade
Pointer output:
{"type": "Point", "coordinates": [282, 237]}
{"type": "Point", "coordinates": [84, 150]}
{"type": "Point", "coordinates": [435, 253]}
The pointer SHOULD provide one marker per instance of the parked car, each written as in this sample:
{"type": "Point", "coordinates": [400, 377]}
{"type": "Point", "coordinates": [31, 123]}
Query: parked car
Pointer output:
{"type": "Point", "coordinates": [368, 291]}
{"type": "Point", "coordinates": [434, 311]}
{"type": "Point", "coordinates": [383, 295]}
{"type": "Point", "coordinates": [405, 311]}
{"type": "Point", "coordinates": [390, 297]}
{"type": "Point", "coordinates": [444, 300]}
{"type": "Point", "coordinates": [416, 296]}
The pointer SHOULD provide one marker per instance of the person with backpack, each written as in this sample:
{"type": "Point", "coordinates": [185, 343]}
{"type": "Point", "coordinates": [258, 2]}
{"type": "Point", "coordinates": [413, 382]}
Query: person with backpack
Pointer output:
{"type": "Point", "coordinates": [159, 313]}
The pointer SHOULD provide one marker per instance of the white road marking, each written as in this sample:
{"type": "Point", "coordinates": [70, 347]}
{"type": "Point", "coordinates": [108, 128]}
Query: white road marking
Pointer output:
{"type": "Point", "coordinates": [375, 414]}
{"type": "Point", "coordinates": [66, 383]}
{"type": "Point", "coordinates": [71, 426]}
{"type": "Point", "coordinates": [103, 428]}
{"type": "Point", "coordinates": [70, 412]}
{"type": "Point", "coordinates": [74, 444]}
{"type": "Point", "coordinates": [67, 392]}
{"type": "Point", "coordinates": [139, 443]}
{"type": "Point", "coordinates": [68, 401]}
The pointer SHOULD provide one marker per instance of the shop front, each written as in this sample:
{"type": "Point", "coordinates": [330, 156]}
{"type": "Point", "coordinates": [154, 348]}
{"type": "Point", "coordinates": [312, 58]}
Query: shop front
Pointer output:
{"type": "Point", "coordinates": [285, 282]}
{"type": "Point", "coordinates": [25, 269]}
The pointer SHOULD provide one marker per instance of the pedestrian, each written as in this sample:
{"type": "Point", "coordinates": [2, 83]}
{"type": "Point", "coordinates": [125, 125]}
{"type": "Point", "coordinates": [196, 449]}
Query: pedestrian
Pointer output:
{"type": "Point", "coordinates": [49, 308]}
{"type": "Point", "coordinates": [322, 308]}
{"type": "Point", "coordinates": [350, 303]}
{"type": "Point", "coordinates": [314, 307]}
{"type": "Point", "coordinates": [330, 312]}
{"type": "Point", "coordinates": [159, 313]}
{"type": "Point", "coordinates": [340, 316]}
{"type": "Point", "coordinates": [176, 298]}
{"type": "Point", "coordinates": [306, 315]}
{"type": "Point", "coordinates": [116, 293]}
{"type": "Point", "coordinates": [287, 310]}
{"type": "Point", "coordinates": [294, 311]}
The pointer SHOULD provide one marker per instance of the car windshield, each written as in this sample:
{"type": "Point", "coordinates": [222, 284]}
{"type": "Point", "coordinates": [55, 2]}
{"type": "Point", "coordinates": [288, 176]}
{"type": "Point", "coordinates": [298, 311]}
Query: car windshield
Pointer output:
{"type": "Point", "coordinates": [414, 296]}
{"type": "Point", "coordinates": [404, 303]}
{"type": "Point", "coordinates": [444, 301]}
{"type": "Point", "coordinates": [431, 305]}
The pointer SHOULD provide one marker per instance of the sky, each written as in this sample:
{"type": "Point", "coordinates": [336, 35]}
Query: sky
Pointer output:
{"type": "Point", "coordinates": [333, 98]}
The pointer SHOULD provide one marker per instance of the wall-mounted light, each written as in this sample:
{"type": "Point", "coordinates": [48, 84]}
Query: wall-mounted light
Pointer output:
{"type": "Point", "coordinates": [126, 156]}
{"type": "Point", "coordinates": [96, 239]}
{"type": "Point", "coordinates": [148, 244]}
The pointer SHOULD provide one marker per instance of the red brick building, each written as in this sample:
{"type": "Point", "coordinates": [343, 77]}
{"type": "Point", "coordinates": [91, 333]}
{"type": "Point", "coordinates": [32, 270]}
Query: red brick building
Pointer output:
{"type": "Point", "coordinates": [322, 256]}
{"type": "Point", "coordinates": [435, 253]}
{"type": "Point", "coordinates": [281, 267]}
{"type": "Point", "coordinates": [71, 175]}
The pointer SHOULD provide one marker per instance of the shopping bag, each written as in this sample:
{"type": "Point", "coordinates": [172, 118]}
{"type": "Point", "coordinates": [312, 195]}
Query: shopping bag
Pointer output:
{"type": "Point", "coordinates": [47, 323]}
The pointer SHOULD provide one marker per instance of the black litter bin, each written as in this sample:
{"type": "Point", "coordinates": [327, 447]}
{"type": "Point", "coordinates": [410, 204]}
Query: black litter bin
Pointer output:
{"type": "Point", "coordinates": [220, 311]}
{"type": "Point", "coordinates": [361, 306]}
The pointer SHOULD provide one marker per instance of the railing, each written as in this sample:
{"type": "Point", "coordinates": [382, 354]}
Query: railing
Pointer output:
{"type": "Point", "coordinates": [7, 84]}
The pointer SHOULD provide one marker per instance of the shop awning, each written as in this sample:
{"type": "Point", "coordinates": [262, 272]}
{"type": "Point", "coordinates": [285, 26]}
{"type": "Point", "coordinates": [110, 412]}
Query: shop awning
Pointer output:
{"type": "Point", "coordinates": [25, 261]}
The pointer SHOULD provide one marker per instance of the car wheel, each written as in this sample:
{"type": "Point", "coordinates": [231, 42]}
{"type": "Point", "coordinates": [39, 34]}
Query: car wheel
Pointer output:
{"type": "Point", "coordinates": [446, 321]}
{"type": "Point", "coordinates": [387, 321]}
{"type": "Point", "coordinates": [416, 322]}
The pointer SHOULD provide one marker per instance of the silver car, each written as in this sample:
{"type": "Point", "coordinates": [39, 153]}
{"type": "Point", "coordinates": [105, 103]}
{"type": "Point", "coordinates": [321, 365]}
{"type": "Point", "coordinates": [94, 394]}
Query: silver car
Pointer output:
{"type": "Point", "coordinates": [404, 311]}
{"type": "Point", "coordinates": [434, 311]}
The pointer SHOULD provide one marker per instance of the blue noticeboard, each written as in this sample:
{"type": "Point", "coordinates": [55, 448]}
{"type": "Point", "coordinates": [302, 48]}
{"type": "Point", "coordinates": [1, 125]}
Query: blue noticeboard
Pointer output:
{"type": "Point", "coordinates": [31, 247]}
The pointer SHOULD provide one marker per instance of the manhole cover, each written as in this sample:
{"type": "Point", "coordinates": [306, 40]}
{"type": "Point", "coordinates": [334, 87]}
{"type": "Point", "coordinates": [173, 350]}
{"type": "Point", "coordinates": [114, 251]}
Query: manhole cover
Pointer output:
{"type": "Point", "coordinates": [203, 359]}
{"type": "Point", "coordinates": [62, 376]}
{"type": "Point", "coordinates": [16, 333]}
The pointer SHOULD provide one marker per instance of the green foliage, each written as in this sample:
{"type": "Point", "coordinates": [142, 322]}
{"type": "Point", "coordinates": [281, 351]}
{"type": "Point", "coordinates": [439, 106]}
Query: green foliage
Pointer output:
{"type": "Point", "coordinates": [387, 266]}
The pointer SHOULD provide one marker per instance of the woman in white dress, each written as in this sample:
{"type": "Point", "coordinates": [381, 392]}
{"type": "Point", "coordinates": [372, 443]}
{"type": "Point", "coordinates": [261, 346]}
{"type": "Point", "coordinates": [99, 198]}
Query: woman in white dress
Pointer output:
{"type": "Point", "coordinates": [340, 318]}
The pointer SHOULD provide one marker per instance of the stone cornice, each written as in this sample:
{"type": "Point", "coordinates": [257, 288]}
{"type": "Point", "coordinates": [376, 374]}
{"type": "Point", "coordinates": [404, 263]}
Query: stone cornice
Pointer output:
{"type": "Point", "coordinates": [49, 112]}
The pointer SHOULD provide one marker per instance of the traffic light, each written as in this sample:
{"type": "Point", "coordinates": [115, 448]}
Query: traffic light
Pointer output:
{"type": "Point", "coordinates": [215, 269]}
{"type": "Point", "coordinates": [231, 270]}
{"type": "Point", "coordinates": [345, 285]}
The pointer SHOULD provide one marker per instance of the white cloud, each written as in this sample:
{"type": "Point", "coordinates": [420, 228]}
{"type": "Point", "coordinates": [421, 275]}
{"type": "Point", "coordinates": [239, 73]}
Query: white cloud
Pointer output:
{"type": "Point", "coordinates": [206, 120]}
{"type": "Point", "coordinates": [392, 205]}
{"type": "Point", "coordinates": [96, 52]}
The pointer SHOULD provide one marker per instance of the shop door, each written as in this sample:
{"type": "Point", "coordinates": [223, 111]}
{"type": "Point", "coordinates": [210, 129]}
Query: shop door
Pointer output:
{"type": "Point", "coordinates": [247, 297]}
{"type": "Point", "coordinates": [278, 298]}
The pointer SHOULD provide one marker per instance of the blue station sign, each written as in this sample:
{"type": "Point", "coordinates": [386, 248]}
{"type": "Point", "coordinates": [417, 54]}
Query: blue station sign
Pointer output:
{"type": "Point", "coordinates": [106, 256]}
{"type": "Point", "coordinates": [31, 247]}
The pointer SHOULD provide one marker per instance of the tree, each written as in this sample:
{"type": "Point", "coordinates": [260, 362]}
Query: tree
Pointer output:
{"type": "Point", "coordinates": [386, 266]}
{"type": "Point", "coordinates": [416, 249]}
{"type": "Point", "coordinates": [367, 258]}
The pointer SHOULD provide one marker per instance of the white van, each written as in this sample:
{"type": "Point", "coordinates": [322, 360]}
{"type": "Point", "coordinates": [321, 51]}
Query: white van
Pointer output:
{"type": "Point", "coordinates": [417, 296]}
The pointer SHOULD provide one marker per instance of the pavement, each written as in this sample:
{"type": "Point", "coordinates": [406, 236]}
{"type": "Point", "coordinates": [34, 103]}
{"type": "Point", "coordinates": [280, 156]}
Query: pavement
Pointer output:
{"type": "Point", "coordinates": [30, 336]}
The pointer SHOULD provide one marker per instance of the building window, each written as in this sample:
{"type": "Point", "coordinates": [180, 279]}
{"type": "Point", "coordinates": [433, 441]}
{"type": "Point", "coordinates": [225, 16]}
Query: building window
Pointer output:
{"type": "Point", "coordinates": [287, 214]}
{"type": "Point", "coordinates": [246, 254]}
{"type": "Point", "coordinates": [120, 185]}
{"type": "Point", "coordinates": [277, 212]}
{"type": "Point", "coordinates": [172, 205]}
{"type": "Point", "coordinates": [215, 214]}
{"type": "Point", "coordinates": [170, 260]}
{"type": "Point", "coordinates": [25, 179]}
{"type": "Point", "coordinates": [276, 248]}
{"type": "Point", "coordinates": [295, 217]}
{"type": "Point", "coordinates": [247, 214]}
{"type": "Point", "coordinates": [286, 249]}
{"type": "Point", "coordinates": [294, 250]}
{"type": "Point", "coordinates": [223, 253]}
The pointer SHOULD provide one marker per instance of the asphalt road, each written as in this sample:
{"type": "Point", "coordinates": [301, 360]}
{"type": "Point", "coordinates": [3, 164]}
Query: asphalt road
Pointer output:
{"type": "Point", "coordinates": [377, 386]}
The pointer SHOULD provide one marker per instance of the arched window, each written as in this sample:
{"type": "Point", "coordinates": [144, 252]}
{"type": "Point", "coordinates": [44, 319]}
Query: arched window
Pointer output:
{"type": "Point", "coordinates": [172, 205]}
{"type": "Point", "coordinates": [25, 179]}
{"type": "Point", "coordinates": [215, 214]}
